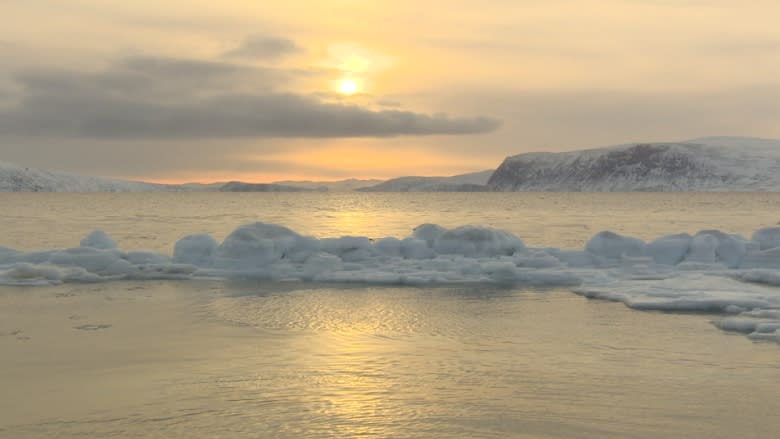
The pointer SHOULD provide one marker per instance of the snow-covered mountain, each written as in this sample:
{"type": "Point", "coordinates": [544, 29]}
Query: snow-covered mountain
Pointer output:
{"type": "Point", "coordinates": [471, 182]}
{"type": "Point", "coordinates": [15, 178]}
{"type": "Point", "coordinates": [709, 164]}
{"type": "Point", "coordinates": [704, 164]}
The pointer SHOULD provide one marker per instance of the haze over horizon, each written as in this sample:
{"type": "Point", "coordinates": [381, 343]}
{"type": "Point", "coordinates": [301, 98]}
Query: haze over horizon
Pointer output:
{"type": "Point", "coordinates": [179, 91]}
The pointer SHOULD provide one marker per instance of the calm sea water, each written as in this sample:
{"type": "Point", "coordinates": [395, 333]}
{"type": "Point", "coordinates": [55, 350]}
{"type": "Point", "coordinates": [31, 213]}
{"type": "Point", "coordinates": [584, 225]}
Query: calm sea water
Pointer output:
{"type": "Point", "coordinates": [155, 221]}
{"type": "Point", "coordinates": [232, 359]}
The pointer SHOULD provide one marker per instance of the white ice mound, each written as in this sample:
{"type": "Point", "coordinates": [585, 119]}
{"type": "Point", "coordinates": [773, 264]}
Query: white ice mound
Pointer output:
{"type": "Point", "coordinates": [8, 255]}
{"type": "Point", "coordinates": [98, 239]}
{"type": "Point", "coordinates": [671, 249]}
{"type": "Point", "coordinates": [348, 248]}
{"type": "Point", "coordinates": [413, 248]}
{"type": "Point", "coordinates": [428, 233]}
{"type": "Point", "coordinates": [432, 255]}
{"type": "Point", "coordinates": [613, 247]}
{"type": "Point", "coordinates": [197, 250]}
{"type": "Point", "coordinates": [321, 263]}
{"type": "Point", "coordinates": [389, 247]}
{"type": "Point", "coordinates": [761, 259]}
{"type": "Point", "coordinates": [260, 244]}
{"type": "Point", "coordinates": [714, 246]}
{"type": "Point", "coordinates": [44, 274]}
{"type": "Point", "coordinates": [767, 238]}
{"type": "Point", "coordinates": [473, 241]}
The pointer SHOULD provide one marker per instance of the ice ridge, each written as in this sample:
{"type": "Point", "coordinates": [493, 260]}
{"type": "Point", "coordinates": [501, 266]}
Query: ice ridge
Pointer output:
{"type": "Point", "coordinates": [710, 271]}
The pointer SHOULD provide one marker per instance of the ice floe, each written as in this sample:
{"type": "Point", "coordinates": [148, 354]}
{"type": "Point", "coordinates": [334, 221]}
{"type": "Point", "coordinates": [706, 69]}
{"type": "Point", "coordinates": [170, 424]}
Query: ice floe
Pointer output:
{"type": "Point", "coordinates": [710, 271]}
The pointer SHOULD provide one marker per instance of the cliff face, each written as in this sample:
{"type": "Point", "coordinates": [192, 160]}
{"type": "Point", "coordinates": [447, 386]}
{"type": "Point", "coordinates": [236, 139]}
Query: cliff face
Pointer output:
{"type": "Point", "coordinates": [662, 167]}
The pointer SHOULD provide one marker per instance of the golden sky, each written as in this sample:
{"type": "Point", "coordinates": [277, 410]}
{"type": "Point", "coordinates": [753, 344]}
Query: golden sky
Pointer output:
{"type": "Point", "coordinates": [297, 89]}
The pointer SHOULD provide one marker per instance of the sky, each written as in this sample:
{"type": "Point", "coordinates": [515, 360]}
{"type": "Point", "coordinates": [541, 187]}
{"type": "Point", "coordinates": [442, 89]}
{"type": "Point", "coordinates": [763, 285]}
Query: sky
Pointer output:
{"type": "Point", "coordinates": [260, 91]}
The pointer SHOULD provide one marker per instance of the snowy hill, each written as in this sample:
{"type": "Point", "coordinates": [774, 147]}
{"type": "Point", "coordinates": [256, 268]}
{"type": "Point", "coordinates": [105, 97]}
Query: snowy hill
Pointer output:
{"type": "Point", "coordinates": [15, 178]}
{"type": "Point", "coordinates": [472, 182]}
{"type": "Point", "coordinates": [729, 164]}
{"type": "Point", "coordinates": [331, 186]}
{"type": "Point", "coordinates": [239, 186]}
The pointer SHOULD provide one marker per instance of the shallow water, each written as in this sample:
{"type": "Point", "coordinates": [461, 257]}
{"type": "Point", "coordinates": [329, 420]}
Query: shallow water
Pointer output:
{"type": "Point", "coordinates": [232, 359]}
{"type": "Point", "coordinates": [178, 359]}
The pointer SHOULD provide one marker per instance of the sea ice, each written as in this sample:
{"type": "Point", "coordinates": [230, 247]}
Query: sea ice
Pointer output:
{"type": "Point", "coordinates": [671, 249]}
{"type": "Point", "coordinates": [612, 247]}
{"type": "Point", "coordinates": [711, 271]}
{"type": "Point", "coordinates": [691, 292]}
{"type": "Point", "coordinates": [196, 250]}
{"type": "Point", "coordinates": [98, 239]}
{"type": "Point", "coordinates": [473, 241]}
{"type": "Point", "coordinates": [767, 238]}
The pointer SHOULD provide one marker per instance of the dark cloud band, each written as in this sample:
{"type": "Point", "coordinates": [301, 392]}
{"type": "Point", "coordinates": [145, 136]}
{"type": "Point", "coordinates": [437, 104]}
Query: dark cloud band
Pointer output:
{"type": "Point", "coordinates": [264, 47]}
{"type": "Point", "coordinates": [163, 98]}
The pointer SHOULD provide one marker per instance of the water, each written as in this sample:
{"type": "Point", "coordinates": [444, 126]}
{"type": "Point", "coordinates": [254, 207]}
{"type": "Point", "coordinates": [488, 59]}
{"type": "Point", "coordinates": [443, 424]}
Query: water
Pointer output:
{"type": "Point", "coordinates": [252, 359]}
{"type": "Point", "coordinates": [156, 221]}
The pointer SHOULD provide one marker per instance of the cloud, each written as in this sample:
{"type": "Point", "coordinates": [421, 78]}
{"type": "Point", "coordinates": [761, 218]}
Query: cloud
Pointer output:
{"type": "Point", "coordinates": [150, 78]}
{"type": "Point", "coordinates": [530, 48]}
{"type": "Point", "coordinates": [264, 47]}
{"type": "Point", "coordinates": [751, 48]}
{"type": "Point", "coordinates": [177, 67]}
{"type": "Point", "coordinates": [169, 98]}
{"type": "Point", "coordinates": [388, 103]}
{"type": "Point", "coordinates": [566, 120]}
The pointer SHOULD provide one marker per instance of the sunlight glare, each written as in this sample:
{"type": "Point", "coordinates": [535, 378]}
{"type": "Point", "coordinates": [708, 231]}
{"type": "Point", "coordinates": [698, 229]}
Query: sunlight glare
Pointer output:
{"type": "Point", "coordinates": [348, 86]}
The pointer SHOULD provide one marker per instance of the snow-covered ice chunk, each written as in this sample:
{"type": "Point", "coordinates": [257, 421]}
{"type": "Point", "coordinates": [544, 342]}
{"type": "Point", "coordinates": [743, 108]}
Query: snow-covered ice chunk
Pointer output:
{"type": "Point", "coordinates": [44, 274]}
{"type": "Point", "coordinates": [575, 258]}
{"type": "Point", "coordinates": [260, 244]}
{"type": "Point", "coordinates": [146, 258]}
{"type": "Point", "coordinates": [413, 248]}
{"type": "Point", "coordinates": [428, 233]}
{"type": "Point", "coordinates": [499, 271]}
{"type": "Point", "coordinates": [767, 238]}
{"type": "Point", "coordinates": [613, 247]}
{"type": "Point", "coordinates": [714, 246]}
{"type": "Point", "coordinates": [320, 263]}
{"type": "Point", "coordinates": [349, 248]}
{"type": "Point", "coordinates": [755, 324]}
{"type": "Point", "coordinates": [762, 259]}
{"type": "Point", "coordinates": [8, 255]}
{"type": "Point", "coordinates": [474, 241]}
{"type": "Point", "coordinates": [737, 324]}
{"type": "Point", "coordinates": [537, 259]}
{"type": "Point", "coordinates": [91, 259]}
{"type": "Point", "coordinates": [767, 277]}
{"type": "Point", "coordinates": [197, 250]}
{"type": "Point", "coordinates": [671, 249]}
{"type": "Point", "coordinates": [702, 249]}
{"type": "Point", "coordinates": [389, 246]}
{"type": "Point", "coordinates": [98, 239]}
{"type": "Point", "coordinates": [691, 292]}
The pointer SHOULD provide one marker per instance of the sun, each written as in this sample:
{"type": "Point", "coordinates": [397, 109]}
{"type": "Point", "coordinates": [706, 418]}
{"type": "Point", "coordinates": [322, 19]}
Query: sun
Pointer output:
{"type": "Point", "coordinates": [348, 86]}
